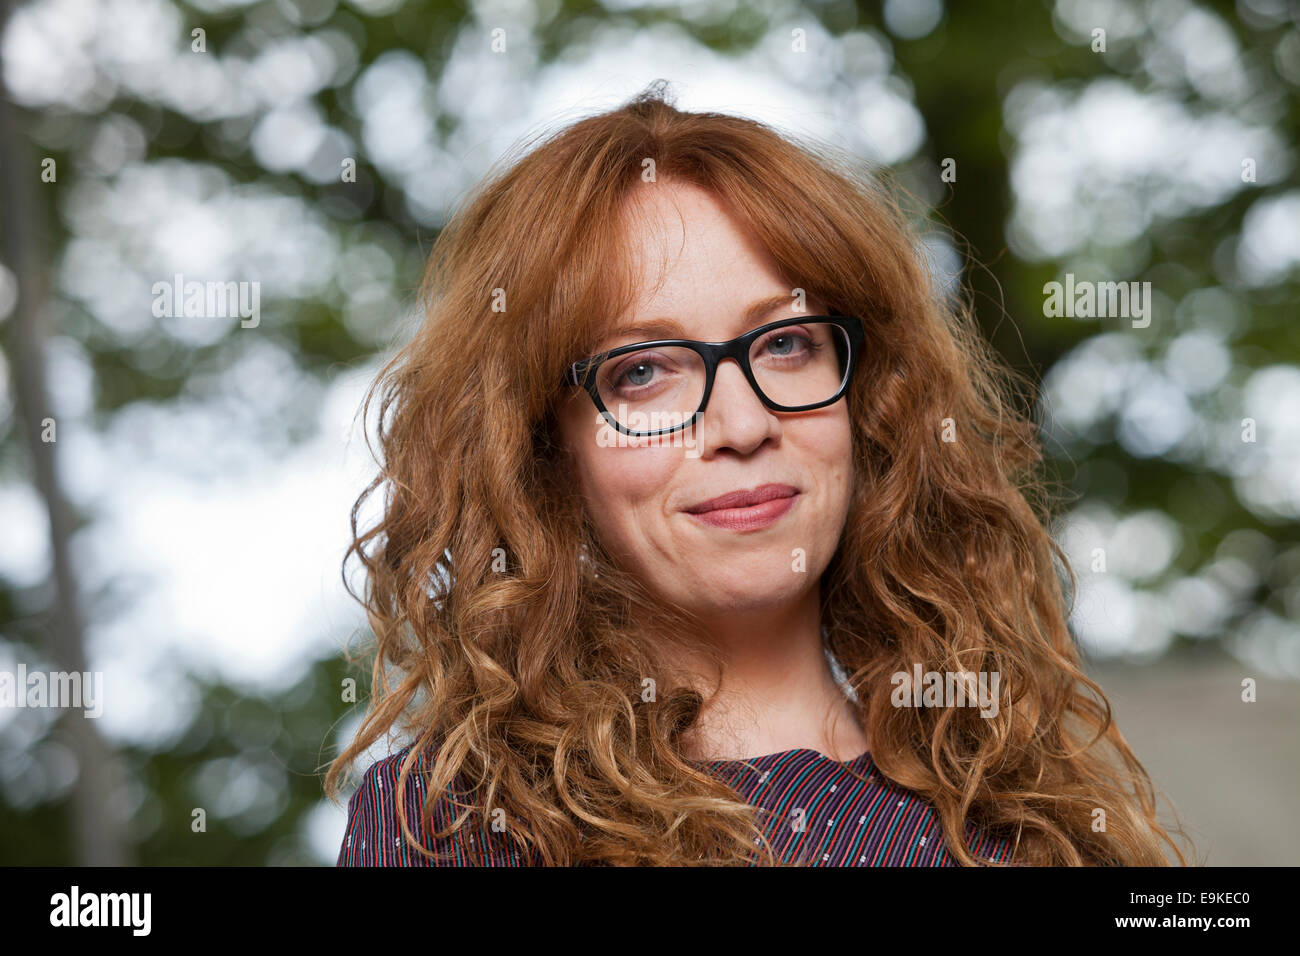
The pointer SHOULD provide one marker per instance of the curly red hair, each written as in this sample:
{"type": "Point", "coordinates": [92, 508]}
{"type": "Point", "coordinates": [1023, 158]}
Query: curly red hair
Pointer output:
{"type": "Point", "coordinates": [524, 678]}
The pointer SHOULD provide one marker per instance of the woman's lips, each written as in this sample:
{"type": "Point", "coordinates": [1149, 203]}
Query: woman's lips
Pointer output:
{"type": "Point", "coordinates": [745, 498]}
{"type": "Point", "coordinates": [747, 519]}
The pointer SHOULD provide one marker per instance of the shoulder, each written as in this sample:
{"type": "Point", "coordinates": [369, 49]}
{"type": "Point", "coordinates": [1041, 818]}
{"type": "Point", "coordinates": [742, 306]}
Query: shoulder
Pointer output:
{"type": "Point", "coordinates": [853, 815]}
{"type": "Point", "coordinates": [908, 830]}
{"type": "Point", "coordinates": [910, 833]}
{"type": "Point", "coordinates": [374, 835]}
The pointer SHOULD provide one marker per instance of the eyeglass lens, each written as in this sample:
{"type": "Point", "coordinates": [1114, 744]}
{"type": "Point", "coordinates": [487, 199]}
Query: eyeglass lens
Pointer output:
{"type": "Point", "coordinates": [794, 365]}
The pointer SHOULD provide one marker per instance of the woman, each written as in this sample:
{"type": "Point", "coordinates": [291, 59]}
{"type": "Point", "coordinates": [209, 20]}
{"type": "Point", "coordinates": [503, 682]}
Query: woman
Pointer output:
{"type": "Point", "coordinates": [644, 598]}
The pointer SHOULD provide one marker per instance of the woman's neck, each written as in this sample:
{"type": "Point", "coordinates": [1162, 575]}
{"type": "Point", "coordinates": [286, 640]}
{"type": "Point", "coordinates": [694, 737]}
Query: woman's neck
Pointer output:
{"type": "Point", "coordinates": [777, 693]}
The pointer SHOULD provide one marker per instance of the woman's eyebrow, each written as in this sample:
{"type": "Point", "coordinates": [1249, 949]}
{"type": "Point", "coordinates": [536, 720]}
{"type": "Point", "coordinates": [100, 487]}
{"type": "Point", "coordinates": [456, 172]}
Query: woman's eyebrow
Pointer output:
{"type": "Point", "coordinates": [669, 329]}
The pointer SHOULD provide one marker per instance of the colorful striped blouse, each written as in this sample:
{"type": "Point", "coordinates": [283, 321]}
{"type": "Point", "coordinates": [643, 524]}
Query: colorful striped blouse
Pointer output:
{"type": "Point", "coordinates": [820, 810]}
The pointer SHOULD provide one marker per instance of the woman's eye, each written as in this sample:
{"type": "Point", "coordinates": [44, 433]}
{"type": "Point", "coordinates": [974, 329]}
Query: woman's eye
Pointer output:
{"type": "Point", "coordinates": [639, 373]}
{"type": "Point", "coordinates": [786, 343]}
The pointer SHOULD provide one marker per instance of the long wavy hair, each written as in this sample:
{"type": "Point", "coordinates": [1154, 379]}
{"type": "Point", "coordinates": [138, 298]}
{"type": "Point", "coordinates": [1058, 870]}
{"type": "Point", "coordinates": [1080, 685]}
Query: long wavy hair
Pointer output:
{"type": "Point", "coordinates": [510, 648]}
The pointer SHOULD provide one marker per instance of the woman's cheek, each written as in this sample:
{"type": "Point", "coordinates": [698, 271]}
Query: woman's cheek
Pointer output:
{"type": "Point", "coordinates": [637, 476]}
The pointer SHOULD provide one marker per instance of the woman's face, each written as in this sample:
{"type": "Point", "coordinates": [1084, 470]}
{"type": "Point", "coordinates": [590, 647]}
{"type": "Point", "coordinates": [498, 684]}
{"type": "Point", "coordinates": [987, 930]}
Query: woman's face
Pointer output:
{"type": "Point", "coordinates": [638, 491]}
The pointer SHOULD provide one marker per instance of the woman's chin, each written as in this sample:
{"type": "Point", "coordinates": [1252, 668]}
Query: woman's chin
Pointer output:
{"type": "Point", "coordinates": [712, 596]}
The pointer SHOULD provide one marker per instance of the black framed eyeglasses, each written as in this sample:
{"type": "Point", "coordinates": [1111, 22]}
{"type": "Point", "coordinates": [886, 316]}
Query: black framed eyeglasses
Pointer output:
{"type": "Point", "coordinates": [654, 388]}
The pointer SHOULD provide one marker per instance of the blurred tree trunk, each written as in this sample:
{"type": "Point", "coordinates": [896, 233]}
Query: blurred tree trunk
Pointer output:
{"type": "Point", "coordinates": [99, 825]}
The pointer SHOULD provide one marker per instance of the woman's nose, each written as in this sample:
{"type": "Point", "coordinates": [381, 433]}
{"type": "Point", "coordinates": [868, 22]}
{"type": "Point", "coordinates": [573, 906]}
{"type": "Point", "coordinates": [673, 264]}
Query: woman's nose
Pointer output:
{"type": "Point", "coordinates": [735, 417]}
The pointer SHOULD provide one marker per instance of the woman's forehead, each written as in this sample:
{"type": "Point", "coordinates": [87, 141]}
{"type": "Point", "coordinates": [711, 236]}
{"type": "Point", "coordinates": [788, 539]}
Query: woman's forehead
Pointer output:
{"type": "Point", "coordinates": [733, 322]}
{"type": "Point", "coordinates": [686, 268]}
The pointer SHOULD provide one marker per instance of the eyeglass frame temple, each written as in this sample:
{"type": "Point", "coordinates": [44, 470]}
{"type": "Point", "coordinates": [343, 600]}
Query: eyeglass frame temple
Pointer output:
{"type": "Point", "coordinates": [713, 353]}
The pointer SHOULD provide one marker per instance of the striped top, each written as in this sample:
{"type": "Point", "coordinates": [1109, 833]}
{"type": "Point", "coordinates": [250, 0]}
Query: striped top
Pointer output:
{"type": "Point", "coordinates": [829, 813]}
